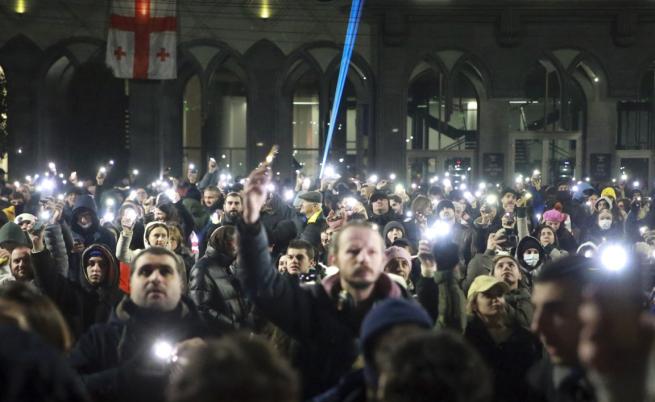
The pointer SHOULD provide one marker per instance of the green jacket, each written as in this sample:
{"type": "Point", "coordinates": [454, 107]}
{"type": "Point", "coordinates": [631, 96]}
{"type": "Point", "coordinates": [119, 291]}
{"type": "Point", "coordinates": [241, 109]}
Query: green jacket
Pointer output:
{"type": "Point", "coordinates": [443, 299]}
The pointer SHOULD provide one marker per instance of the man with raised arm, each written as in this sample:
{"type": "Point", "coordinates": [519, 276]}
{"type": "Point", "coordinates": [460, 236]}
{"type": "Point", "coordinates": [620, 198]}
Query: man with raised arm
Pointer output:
{"type": "Point", "coordinates": [324, 318]}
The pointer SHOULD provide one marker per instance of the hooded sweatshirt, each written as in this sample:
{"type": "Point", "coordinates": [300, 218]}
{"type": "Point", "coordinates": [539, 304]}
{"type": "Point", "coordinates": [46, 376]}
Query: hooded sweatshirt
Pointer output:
{"type": "Point", "coordinates": [525, 244]}
{"type": "Point", "coordinates": [99, 301]}
{"type": "Point", "coordinates": [95, 233]}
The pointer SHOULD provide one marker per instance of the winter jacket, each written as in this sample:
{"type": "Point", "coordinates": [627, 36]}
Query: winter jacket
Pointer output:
{"type": "Point", "coordinates": [322, 318]}
{"type": "Point", "coordinates": [566, 240]}
{"type": "Point", "coordinates": [98, 302]}
{"type": "Point", "coordinates": [186, 220]}
{"type": "Point", "coordinates": [481, 264]}
{"type": "Point", "coordinates": [519, 307]}
{"type": "Point", "coordinates": [199, 213]}
{"type": "Point", "coordinates": [217, 292]}
{"type": "Point", "coordinates": [463, 237]}
{"type": "Point", "coordinates": [115, 359]}
{"type": "Point", "coordinates": [508, 360]}
{"type": "Point", "coordinates": [95, 234]}
{"type": "Point", "coordinates": [276, 211]}
{"type": "Point", "coordinates": [80, 303]}
{"type": "Point", "coordinates": [311, 231]}
{"type": "Point", "coordinates": [441, 296]}
{"type": "Point", "coordinates": [552, 383]}
{"type": "Point", "coordinates": [54, 241]}
{"type": "Point", "coordinates": [481, 233]}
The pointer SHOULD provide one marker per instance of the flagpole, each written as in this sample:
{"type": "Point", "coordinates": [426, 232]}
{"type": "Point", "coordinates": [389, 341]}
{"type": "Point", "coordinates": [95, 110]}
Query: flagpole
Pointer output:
{"type": "Point", "coordinates": [160, 129]}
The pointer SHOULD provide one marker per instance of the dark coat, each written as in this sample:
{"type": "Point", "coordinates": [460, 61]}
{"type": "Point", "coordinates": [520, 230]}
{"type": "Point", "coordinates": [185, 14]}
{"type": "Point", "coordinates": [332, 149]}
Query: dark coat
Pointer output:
{"type": "Point", "coordinates": [81, 304]}
{"type": "Point", "coordinates": [275, 212]}
{"type": "Point", "coordinates": [98, 302]}
{"type": "Point", "coordinates": [481, 233]}
{"type": "Point", "coordinates": [32, 370]}
{"type": "Point", "coordinates": [573, 387]}
{"type": "Point", "coordinates": [566, 240]}
{"type": "Point", "coordinates": [509, 361]}
{"type": "Point", "coordinates": [215, 289]}
{"type": "Point", "coordinates": [311, 232]}
{"type": "Point", "coordinates": [324, 322]}
{"type": "Point", "coordinates": [115, 359]}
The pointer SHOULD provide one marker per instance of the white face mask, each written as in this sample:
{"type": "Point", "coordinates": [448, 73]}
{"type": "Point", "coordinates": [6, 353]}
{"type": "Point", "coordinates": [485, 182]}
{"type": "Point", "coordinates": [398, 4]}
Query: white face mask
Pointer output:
{"type": "Point", "coordinates": [605, 224]}
{"type": "Point", "coordinates": [531, 259]}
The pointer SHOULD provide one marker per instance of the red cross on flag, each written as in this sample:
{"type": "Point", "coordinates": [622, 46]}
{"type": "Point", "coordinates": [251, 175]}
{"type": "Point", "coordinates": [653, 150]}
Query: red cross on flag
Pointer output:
{"type": "Point", "coordinates": [142, 39]}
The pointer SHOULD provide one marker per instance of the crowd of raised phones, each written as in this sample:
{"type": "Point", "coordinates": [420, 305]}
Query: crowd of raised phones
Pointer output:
{"type": "Point", "coordinates": [209, 288]}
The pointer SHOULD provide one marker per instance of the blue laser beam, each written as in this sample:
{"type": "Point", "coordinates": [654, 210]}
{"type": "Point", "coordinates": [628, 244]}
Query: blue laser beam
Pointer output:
{"type": "Point", "coordinates": [349, 44]}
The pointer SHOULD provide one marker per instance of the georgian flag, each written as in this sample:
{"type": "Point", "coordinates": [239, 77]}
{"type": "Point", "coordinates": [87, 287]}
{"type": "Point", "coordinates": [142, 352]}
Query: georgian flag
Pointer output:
{"type": "Point", "coordinates": [142, 39]}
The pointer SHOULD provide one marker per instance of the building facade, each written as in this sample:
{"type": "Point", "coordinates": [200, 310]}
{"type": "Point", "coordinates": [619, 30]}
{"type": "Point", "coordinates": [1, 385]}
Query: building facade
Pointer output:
{"type": "Point", "coordinates": [479, 89]}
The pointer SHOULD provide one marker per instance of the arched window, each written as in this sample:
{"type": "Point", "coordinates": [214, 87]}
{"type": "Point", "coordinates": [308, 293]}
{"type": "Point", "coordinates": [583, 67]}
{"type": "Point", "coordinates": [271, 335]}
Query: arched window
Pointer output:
{"type": "Point", "coordinates": [229, 104]}
{"type": "Point", "coordinates": [426, 111]}
{"type": "Point", "coordinates": [192, 122]}
{"type": "Point", "coordinates": [306, 123]}
{"type": "Point", "coordinates": [541, 110]}
{"type": "Point", "coordinates": [442, 123]}
{"type": "Point", "coordinates": [636, 117]}
{"type": "Point", "coordinates": [551, 118]}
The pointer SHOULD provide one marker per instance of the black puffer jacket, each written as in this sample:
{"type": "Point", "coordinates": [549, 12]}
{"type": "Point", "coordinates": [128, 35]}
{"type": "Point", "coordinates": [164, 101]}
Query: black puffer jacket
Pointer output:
{"type": "Point", "coordinates": [54, 241]}
{"type": "Point", "coordinates": [215, 289]}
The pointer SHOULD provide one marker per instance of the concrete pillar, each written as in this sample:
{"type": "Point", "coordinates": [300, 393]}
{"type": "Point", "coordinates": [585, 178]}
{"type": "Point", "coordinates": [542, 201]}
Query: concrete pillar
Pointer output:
{"type": "Point", "coordinates": [602, 121]}
{"type": "Point", "coordinates": [493, 131]}
{"type": "Point", "coordinates": [389, 139]}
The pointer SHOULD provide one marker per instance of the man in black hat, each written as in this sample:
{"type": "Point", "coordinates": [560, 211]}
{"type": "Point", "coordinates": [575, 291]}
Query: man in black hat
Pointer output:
{"type": "Point", "coordinates": [315, 222]}
{"type": "Point", "coordinates": [381, 212]}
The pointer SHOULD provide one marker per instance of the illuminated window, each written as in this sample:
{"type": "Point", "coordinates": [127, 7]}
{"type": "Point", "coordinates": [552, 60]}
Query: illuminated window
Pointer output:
{"type": "Point", "coordinates": [306, 123]}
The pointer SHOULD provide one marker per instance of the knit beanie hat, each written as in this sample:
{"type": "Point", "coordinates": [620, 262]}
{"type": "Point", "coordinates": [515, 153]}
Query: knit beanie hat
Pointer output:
{"type": "Point", "coordinates": [553, 215]}
{"type": "Point", "coordinates": [396, 252]}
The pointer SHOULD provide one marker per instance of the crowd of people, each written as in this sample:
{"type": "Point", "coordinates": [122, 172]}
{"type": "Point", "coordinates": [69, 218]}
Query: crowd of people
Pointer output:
{"type": "Point", "coordinates": [216, 288]}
